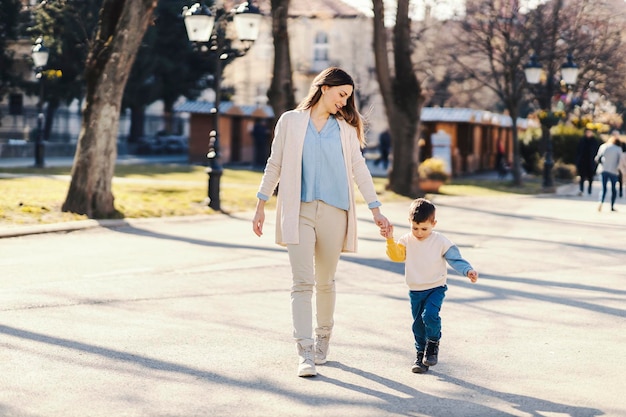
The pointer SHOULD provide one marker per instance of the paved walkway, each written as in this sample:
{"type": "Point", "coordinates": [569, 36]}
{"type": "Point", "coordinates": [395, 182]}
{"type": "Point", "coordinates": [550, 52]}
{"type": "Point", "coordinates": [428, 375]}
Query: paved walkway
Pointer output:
{"type": "Point", "coordinates": [190, 317]}
{"type": "Point", "coordinates": [68, 161]}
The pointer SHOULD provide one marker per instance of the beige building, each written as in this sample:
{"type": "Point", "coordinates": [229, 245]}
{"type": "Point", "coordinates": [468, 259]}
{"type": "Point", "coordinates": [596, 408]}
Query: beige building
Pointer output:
{"type": "Point", "coordinates": [322, 33]}
{"type": "Point", "coordinates": [326, 33]}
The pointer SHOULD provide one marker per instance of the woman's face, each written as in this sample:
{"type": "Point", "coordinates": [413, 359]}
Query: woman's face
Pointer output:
{"type": "Point", "coordinates": [336, 97]}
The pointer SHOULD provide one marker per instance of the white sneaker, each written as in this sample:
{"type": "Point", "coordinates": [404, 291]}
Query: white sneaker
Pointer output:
{"type": "Point", "coordinates": [321, 348]}
{"type": "Point", "coordinates": [306, 364]}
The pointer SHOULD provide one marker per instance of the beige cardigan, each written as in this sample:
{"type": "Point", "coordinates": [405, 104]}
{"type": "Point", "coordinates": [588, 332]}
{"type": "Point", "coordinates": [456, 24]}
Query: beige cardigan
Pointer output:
{"type": "Point", "coordinates": [285, 166]}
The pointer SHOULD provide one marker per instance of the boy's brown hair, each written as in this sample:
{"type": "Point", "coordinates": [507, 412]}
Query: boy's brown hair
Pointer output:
{"type": "Point", "coordinates": [422, 210]}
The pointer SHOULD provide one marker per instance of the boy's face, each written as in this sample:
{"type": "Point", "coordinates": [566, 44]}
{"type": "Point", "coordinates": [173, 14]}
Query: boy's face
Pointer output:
{"type": "Point", "coordinates": [422, 230]}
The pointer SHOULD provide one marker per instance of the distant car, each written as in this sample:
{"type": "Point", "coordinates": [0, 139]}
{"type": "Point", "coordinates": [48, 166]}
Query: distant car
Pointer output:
{"type": "Point", "coordinates": [175, 144]}
{"type": "Point", "coordinates": [149, 146]}
{"type": "Point", "coordinates": [171, 144]}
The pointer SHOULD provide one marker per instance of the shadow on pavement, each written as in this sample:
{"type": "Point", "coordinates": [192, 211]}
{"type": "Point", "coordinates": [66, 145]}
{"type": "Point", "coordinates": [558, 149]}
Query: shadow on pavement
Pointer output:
{"type": "Point", "coordinates": [410, 400]}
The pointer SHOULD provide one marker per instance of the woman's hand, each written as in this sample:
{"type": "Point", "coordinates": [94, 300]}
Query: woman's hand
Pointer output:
{"type": "Point", "coordinates": [380, 220]}
{"type": "Point", "coordinates": [259, 218]}
{"type": "Point", "coordinates": [387, 233]}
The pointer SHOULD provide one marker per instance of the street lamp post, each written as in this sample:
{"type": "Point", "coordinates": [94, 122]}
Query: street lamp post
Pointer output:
{"type": "Point", "coordinates": [40, 58]}
{"type": "Point", "coordinates": [208, 26]}
{"type": "Point", "coordinates": [533, 72]}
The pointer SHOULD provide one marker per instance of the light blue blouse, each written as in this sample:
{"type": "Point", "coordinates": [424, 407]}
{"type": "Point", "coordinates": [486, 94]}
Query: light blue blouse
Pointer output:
{"type": "Point", "coordinates": [323, 168]}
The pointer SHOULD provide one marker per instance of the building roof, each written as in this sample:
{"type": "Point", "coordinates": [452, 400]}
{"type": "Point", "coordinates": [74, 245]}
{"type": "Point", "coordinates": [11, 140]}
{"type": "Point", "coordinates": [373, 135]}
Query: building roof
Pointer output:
{"type": "Point", "coordinates": [446, 114]}
{"type": "Point", "coordinates": [322, 9]}
{"type": "Point", "coordinates": [429, 114]}
{"type": "Point", "coordinates": [226, 107]}
{"type": "Point", "coordinates": [463, 115]}
{"type": "Point", "coordinates": [313, 8]}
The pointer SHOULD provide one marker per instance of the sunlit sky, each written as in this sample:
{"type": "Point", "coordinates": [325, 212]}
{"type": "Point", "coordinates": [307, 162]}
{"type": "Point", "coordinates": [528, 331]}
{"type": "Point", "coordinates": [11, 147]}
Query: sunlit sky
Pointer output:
{"type": "Point", "coordinates": [441, 9]}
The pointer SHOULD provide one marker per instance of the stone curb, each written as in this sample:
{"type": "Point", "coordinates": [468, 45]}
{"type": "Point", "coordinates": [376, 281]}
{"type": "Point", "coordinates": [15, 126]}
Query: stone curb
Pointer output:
{"type": "Point", "coordinates": [90, 224]}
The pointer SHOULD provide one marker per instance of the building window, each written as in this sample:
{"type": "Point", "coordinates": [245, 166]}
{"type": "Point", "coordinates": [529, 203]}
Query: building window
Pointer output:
{"type": "Point", "coordinates": [320, 52]}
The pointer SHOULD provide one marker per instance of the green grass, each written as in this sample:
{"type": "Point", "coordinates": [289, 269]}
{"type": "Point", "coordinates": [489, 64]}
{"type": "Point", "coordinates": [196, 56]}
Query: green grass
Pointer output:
{"type": "Point", "coordinates": [176, 190]}
{"type": "Point", "coordinates": [469, 187]}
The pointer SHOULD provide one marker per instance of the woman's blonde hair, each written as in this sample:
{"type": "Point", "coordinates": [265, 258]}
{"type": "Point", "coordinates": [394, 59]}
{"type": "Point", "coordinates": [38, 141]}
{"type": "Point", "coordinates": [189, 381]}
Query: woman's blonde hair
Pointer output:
{"type": "Point", "coordinates": [333, 77]}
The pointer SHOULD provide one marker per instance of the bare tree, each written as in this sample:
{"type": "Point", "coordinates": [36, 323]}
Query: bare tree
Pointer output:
{"type": "Point", "coordinates": [121, 26]}
{"type": "Point", "coordinates": [496, 41]}
{"type": "Point", "coordinates": [281, 95]}
{"type": "Point", "coordinates": [498, 38]}
{"type": "Point", "coordinates": [402, 96]}
{"type": "Point", "coordinates": [594, 32]}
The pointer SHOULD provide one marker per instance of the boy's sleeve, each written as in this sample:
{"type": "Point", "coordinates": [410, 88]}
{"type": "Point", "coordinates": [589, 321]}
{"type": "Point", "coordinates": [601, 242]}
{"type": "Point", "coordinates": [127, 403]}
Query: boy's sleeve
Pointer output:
{"type": "Point", "coordinates": [396, 251]}
{"type": "Point", "coordinates": [456, 261]}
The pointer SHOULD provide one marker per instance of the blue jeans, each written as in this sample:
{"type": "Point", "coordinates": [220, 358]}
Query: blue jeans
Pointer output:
{"type": "Point", "coordinates": [606, 176]}
{"type": "Point", "coordinates": [425, 307]}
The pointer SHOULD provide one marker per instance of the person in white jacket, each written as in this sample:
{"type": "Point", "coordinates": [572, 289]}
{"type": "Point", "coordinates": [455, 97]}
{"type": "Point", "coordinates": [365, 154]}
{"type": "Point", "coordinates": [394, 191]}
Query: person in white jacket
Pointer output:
{"type": "Point", "coordinates": [608, 158]}
{"type": "Point", "coordinates": [316, 158]}
{"type": "Point", "coordinates": [621, 168]}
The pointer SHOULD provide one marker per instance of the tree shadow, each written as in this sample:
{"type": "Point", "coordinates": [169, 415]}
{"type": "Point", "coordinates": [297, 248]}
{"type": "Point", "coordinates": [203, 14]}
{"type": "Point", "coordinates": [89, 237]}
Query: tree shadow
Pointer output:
{"type": "Point", "coordinates": [410, 401]}
{"type": "Point", "coordinates": [551, 219]}
{"type": "Point", "coordinates": [405, 401]}
{"type": "Point", "coordinates": [532, 405]}
{"type": "Point", "coordinates": [134, 230]}
{"type": "Point", "coordinates": [499, 293]}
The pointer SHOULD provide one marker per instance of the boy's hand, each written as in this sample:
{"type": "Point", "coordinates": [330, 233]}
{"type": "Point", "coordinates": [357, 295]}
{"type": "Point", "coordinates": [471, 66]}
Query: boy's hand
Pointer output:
{"type": "Point", "coordinates": [387, 232]}
{"type": "Point", "coordinates": [472, 275]}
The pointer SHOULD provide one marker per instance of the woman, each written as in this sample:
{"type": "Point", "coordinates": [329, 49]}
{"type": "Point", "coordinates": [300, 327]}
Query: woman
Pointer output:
{"type": "Point", "coordinates": [316, 157]}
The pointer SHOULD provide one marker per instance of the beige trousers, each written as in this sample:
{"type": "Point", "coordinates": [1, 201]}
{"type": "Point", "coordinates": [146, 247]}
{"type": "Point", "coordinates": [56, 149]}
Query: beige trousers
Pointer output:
{"type": "Point", "coordinates": [313, 264]}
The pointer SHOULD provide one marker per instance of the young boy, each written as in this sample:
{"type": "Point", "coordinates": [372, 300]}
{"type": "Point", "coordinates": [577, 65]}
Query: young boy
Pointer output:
{"type": "Point", "coordinates": [425, 254]}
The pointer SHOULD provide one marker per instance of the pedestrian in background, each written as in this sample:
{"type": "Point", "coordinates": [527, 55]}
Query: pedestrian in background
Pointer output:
{"type": "Point", "coordinates": [621, 169]}
{"type": "Point", "coordinates": [316, 157]}
{"type": "Point", "coordinates": [384, 147]}
{"type": "Point", "coordinates": [608, 158]}
{"type": "Point", "coordinates": [425, 254]}
{"type": "Point", "coordinates": [585, 163]}
{"type": "Point", "coordinates": [260, 134]}
{"type": "Point", "coordinates": [502, 166]}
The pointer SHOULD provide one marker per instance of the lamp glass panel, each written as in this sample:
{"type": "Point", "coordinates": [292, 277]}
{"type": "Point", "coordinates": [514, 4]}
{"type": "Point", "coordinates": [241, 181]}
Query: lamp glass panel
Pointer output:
{"type": "Point", "coordinates": [533, 74]}
{"type": "Point", "coordinates": [199, 27]}
{"type": "Point", "coordinates": [569, 75]}
{"type": "Point", "coordinates": [40, 58]}
{"type": "Point", "coordinates": [247, 26]}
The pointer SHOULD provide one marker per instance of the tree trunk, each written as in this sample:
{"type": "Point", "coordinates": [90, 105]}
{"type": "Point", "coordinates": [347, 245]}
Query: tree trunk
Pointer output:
{"type": "Point", "coordinates": [168, 116]}
{"type": "Point", "coordinates": [402, 97]}
{"type": "Point", "coordinates": [121, 26]}
{"type": "Point", "coordinates": [51, 109]}
{"type": "Point", "coordinates": [168, 119]}
{"type": "Point", "coordinates": [281, 96]}
{"type": "Point", "coordinates": [137, 121]}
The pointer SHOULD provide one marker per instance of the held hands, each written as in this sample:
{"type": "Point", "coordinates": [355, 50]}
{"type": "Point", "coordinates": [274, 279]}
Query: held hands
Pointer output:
{"type": "Point", "coordinates": [382, 222]}
{"type": "Point", "coordinates": [472, 275]}
{"type": "Point", "coordinates": [387, 233]}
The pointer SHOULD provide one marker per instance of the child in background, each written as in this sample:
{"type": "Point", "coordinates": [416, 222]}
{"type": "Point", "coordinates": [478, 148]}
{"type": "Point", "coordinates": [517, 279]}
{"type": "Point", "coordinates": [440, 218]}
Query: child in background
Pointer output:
{"type": "Point", "coordinates": [425, 254]}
